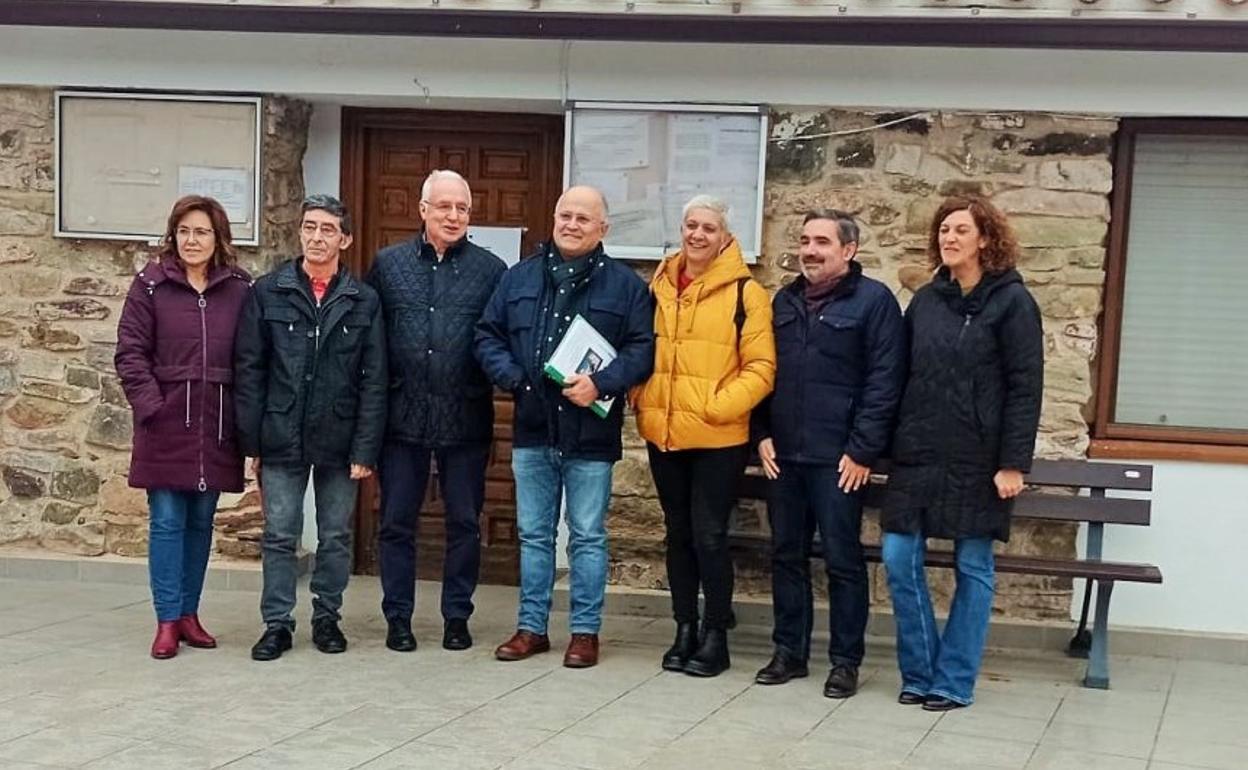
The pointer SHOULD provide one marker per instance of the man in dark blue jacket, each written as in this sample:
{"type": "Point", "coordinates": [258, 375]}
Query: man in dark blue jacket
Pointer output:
{"type": "Point", "coordinates": [840, 370]}
{"type": "Point", "coordinates": [560, 446]}
{"type": "Point", "coordinates": [433, 289]}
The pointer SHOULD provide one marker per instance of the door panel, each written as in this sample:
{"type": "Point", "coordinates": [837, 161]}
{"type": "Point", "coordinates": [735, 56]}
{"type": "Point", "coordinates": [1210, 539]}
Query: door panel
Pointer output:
{"type": "Point", "coordinates": [514, 165]}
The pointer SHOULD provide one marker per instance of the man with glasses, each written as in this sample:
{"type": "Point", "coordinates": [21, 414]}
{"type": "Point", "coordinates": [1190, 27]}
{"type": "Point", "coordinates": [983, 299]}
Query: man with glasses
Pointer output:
{"type": "Point", "coordinates": [310, 398]}
{"type": "Point", "coordinates": [560, 446]}
{"type": "Point", "coordinates": [433, 289]}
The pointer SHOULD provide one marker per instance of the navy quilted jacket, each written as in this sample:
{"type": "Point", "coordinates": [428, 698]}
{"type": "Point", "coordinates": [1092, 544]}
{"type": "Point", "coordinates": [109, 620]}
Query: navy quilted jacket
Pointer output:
{"type": "Point", "coordinates": [438, 394]}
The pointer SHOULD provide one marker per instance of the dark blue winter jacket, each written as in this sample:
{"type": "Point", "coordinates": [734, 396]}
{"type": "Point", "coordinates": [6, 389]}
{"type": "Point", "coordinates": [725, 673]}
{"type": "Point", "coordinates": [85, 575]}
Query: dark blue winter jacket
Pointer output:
{"type": "Point", "coordinates": [840, 371]}
{"type": "Point", "coordinates": [617, 304]}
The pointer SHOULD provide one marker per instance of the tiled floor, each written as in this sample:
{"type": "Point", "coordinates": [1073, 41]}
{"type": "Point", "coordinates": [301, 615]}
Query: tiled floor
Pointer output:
{"type": "Point", "coordinates": [78, 689]}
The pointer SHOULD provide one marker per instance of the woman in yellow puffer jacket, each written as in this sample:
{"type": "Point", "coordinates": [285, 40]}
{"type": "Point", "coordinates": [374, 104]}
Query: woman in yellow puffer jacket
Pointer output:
{"type": "Point", "coordinates": [715, 360]}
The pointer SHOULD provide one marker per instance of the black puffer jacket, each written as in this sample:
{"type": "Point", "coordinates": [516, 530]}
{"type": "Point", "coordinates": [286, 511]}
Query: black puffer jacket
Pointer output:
{"type": "Point", "coordinates": [971, 407]}
{"type": "Point", "coordinates": [438, 394]}
{"type": "Point", "coordinates": [309, 381]}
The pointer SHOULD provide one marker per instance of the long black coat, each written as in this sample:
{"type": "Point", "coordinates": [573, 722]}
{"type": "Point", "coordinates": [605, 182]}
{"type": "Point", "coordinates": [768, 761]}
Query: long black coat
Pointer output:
{"type": "Point", "coordinates": [438, 394]}
{"type": "Point", "coordinates": [971, 407]}
{"type": "Point", "coordinates": [309, 380]}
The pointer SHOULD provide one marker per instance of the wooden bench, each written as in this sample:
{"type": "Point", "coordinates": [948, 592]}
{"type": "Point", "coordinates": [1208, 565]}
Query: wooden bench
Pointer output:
{"type": "Point", "coordinates": [1094, 509]}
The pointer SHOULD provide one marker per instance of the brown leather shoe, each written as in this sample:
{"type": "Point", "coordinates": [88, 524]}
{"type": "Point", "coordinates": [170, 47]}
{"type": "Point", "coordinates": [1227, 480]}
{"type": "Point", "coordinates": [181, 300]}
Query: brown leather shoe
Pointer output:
{"type": "Point", "coordinates": [523, 644]}
{"type": "Point", "coordinates": [582, 651]}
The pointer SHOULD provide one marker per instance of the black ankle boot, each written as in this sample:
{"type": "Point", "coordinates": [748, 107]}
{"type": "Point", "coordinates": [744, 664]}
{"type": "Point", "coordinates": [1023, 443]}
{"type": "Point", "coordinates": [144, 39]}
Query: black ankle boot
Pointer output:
{"type": "Point", "coordinates": [683, 648]}
{"type": "Point", "coordinates": [711, 659]}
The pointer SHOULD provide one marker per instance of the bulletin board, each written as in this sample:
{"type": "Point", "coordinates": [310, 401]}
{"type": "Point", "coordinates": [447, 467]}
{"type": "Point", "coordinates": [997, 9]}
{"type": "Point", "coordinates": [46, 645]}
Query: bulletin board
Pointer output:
{"type": "Point", "coordinates": [650, 159]}
{"type": "Point", "coordinates": [124, 158]}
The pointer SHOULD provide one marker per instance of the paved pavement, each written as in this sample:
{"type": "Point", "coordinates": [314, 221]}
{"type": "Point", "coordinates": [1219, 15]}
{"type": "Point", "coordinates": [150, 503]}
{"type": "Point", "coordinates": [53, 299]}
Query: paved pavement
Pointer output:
{"type": "Point", "coordinates": [77, 689]}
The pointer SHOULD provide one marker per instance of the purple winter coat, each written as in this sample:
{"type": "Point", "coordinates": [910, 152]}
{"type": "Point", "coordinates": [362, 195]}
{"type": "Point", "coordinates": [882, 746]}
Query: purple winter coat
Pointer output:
{"type": "Point", "coordinates": [175, 357]}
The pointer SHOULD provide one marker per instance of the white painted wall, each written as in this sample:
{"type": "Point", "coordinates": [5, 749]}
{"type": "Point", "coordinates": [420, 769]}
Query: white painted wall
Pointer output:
{"type": "Point", "coordinates": [322, 169]}
{"type": "Point", "coordinates": [529, 74]}
{"type": "Point", "coordinates": [1200, 512]}
{"type": "Point", "coordinates": [1198, 534]}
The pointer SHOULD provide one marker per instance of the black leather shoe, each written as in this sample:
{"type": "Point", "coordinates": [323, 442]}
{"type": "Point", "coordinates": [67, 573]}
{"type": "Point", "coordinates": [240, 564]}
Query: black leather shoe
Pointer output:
{"type": "Point", "coordinates": [455, 634]}
{"type": "Point", "coordinates": [781, 669]}
{"type": "Point", "coordinates": [711, 659]}
{"type": "Point", "coordinates": [842, 682]}
{"type": "Point", "coordinates": [272, 644]}
{"type": "Point", "coordinates": [937, 703]}
{"type": "Point", "coordinates": [399, 636]}
{"type": "Point", "coordinates": [686, 644]}
{"type": "Point", "coordinates": [327, 637]}
{"type": "Point", "coordinates": [911, 699]}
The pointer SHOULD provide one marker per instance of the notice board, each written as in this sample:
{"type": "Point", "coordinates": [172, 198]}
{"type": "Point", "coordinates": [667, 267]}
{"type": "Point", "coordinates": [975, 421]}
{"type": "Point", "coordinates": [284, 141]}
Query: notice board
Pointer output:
{"type": "Point", "coordinates": [650, 159]}
{"type": "Point", "coordinates": [124, 158]}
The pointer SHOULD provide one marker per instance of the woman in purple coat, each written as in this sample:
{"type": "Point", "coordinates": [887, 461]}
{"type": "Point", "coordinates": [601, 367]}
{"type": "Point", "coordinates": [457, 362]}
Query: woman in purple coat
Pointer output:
{"type": "Point", "coordinates": [175, 354]}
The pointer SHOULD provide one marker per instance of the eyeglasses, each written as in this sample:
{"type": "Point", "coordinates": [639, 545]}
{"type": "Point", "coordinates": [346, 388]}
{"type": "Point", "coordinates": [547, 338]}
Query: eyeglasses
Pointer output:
{"type": "Point", "coordinates": [445, 208]}
{"type": "Point", "coordinates": [200, 233]}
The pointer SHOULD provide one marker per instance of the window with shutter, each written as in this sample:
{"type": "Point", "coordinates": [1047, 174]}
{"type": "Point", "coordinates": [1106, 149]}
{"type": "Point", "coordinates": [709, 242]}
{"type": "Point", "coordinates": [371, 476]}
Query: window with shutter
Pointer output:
{"type": "Point", "coordinates": [1175, 356]}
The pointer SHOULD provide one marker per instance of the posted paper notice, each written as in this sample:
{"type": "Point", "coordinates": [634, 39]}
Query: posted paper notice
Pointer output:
{"type": "Point", "coordinates": [581, 351]}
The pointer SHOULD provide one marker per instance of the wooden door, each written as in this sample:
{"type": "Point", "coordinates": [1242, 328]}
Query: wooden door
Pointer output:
{"type": "Point", "coordinates": [514, 164]}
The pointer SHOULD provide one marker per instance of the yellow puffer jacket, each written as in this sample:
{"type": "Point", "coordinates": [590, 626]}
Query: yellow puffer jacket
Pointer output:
{"type": "Point", "coordinates": [704, 385]}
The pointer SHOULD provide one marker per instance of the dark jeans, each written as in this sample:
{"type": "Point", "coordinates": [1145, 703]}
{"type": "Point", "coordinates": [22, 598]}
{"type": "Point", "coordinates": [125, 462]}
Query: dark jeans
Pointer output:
{"type": "Point", "coordinates": [404, 475]}
{"type": "Point", "coordinates": [282, 490]}
{"type": "Point", "coordinates": [805, 496]}
{"type": "Point", "coordinates": [698, 490]}
{"type": "Point", "coordinates": [178, 545]}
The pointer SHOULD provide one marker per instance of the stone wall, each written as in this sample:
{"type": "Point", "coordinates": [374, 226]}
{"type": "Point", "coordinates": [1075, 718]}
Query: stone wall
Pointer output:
{"type": "Point", "coordinates": [65, 424]}
{"type": "Point", "coordinates": [1050, 174]}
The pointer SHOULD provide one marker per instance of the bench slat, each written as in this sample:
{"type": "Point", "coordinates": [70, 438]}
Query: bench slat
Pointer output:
{"type": "Point", "coordinates": [1037, 565]}
{"type": "Point", "coordinates": [1105, 510]}
{"type": "Point", "coordinates": [1093, 569]}
{"type": "Point", "coordinates": [1092, 475]}
{"type": "Point", "coordinates": [1030, 504]}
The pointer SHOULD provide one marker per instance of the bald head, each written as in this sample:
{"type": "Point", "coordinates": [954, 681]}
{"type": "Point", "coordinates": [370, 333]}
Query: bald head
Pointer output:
{"type": "Point", "coordinates": [580, 221]}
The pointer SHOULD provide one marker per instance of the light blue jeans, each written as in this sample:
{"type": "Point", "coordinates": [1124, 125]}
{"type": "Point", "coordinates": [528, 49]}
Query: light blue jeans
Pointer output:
{"type": "Point", "coordinates": [542, 476]}
{"type": "Point", "coordinates": [944, 665]}
{"type": "Point", "coordinates": [178, 544]}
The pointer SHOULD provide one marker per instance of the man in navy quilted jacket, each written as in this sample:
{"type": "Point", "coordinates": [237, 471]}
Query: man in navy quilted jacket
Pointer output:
{"type": "Point", "coordinates": [433, 289]}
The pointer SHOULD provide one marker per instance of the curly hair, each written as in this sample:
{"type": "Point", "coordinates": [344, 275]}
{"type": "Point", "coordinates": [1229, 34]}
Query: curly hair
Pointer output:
{"type": "Point", "coordinates": [1000, 252]}
{"type": "Point", "coordinates": [224, 254]}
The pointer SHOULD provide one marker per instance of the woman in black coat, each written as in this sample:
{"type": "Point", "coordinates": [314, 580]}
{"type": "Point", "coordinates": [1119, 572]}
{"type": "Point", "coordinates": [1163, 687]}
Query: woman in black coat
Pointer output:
{"type": "Point", "coordinates": [965, 437]}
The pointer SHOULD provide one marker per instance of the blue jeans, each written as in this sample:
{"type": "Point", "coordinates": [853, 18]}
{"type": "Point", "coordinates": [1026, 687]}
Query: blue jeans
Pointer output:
{"type": "Point", "coordinates": [942, 665]}
{"type": "Point", "coordinates": [541, 475]}
{"type": "Point", "coordinates": [179, 540]}
{"type": "Point", "coordinates": [404, 478]}
{"type": "Point", "coordinates": [282, 490]}
{"type": "Point", "coordinates": [801, 498]}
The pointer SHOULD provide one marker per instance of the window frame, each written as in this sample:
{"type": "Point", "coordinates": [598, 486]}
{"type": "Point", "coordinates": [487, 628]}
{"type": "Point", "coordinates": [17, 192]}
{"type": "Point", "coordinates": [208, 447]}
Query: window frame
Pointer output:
{"type": "Point", "coordinates": [1117, 439]}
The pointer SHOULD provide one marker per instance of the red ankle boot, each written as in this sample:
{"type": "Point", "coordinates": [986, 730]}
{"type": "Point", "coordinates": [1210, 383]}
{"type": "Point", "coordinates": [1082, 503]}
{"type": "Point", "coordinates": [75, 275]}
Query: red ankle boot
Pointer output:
{"type": "Point", "coordinates": [166, 643]}
{"type": "Point", "coordinates": [194, 634]}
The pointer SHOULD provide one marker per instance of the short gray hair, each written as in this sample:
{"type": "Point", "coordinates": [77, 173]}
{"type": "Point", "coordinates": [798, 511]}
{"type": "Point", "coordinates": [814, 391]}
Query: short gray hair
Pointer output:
{"type": "Point", "coordinates": [846, 227]}
{"type": "Point", "coordinates": [710, 203]}
{"type": "Point", "coordinates": [330, 205]}
{"type": "Point", "coordinates": [439, 174]}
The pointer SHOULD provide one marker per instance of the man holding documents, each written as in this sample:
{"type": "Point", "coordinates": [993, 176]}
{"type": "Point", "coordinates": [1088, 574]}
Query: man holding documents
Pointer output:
{"type": "Point", "coordinates": [567, 434]}
{"type": "Point", "coordinates": [441, 407]}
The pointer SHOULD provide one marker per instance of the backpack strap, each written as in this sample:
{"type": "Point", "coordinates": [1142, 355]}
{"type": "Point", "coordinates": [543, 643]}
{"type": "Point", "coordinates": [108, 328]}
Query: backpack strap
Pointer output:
{"type": "Point", "coordinates": [738, 318]}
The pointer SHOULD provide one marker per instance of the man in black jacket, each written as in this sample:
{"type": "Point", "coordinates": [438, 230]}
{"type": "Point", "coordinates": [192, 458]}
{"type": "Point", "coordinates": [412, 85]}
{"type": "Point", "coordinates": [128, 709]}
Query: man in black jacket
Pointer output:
{"type": "Point", "coordinates": [840, 369]}
{"type": "Point", "coordinates": [433, 289]}
{"type": "Point", "coordinates": [310, 397]}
